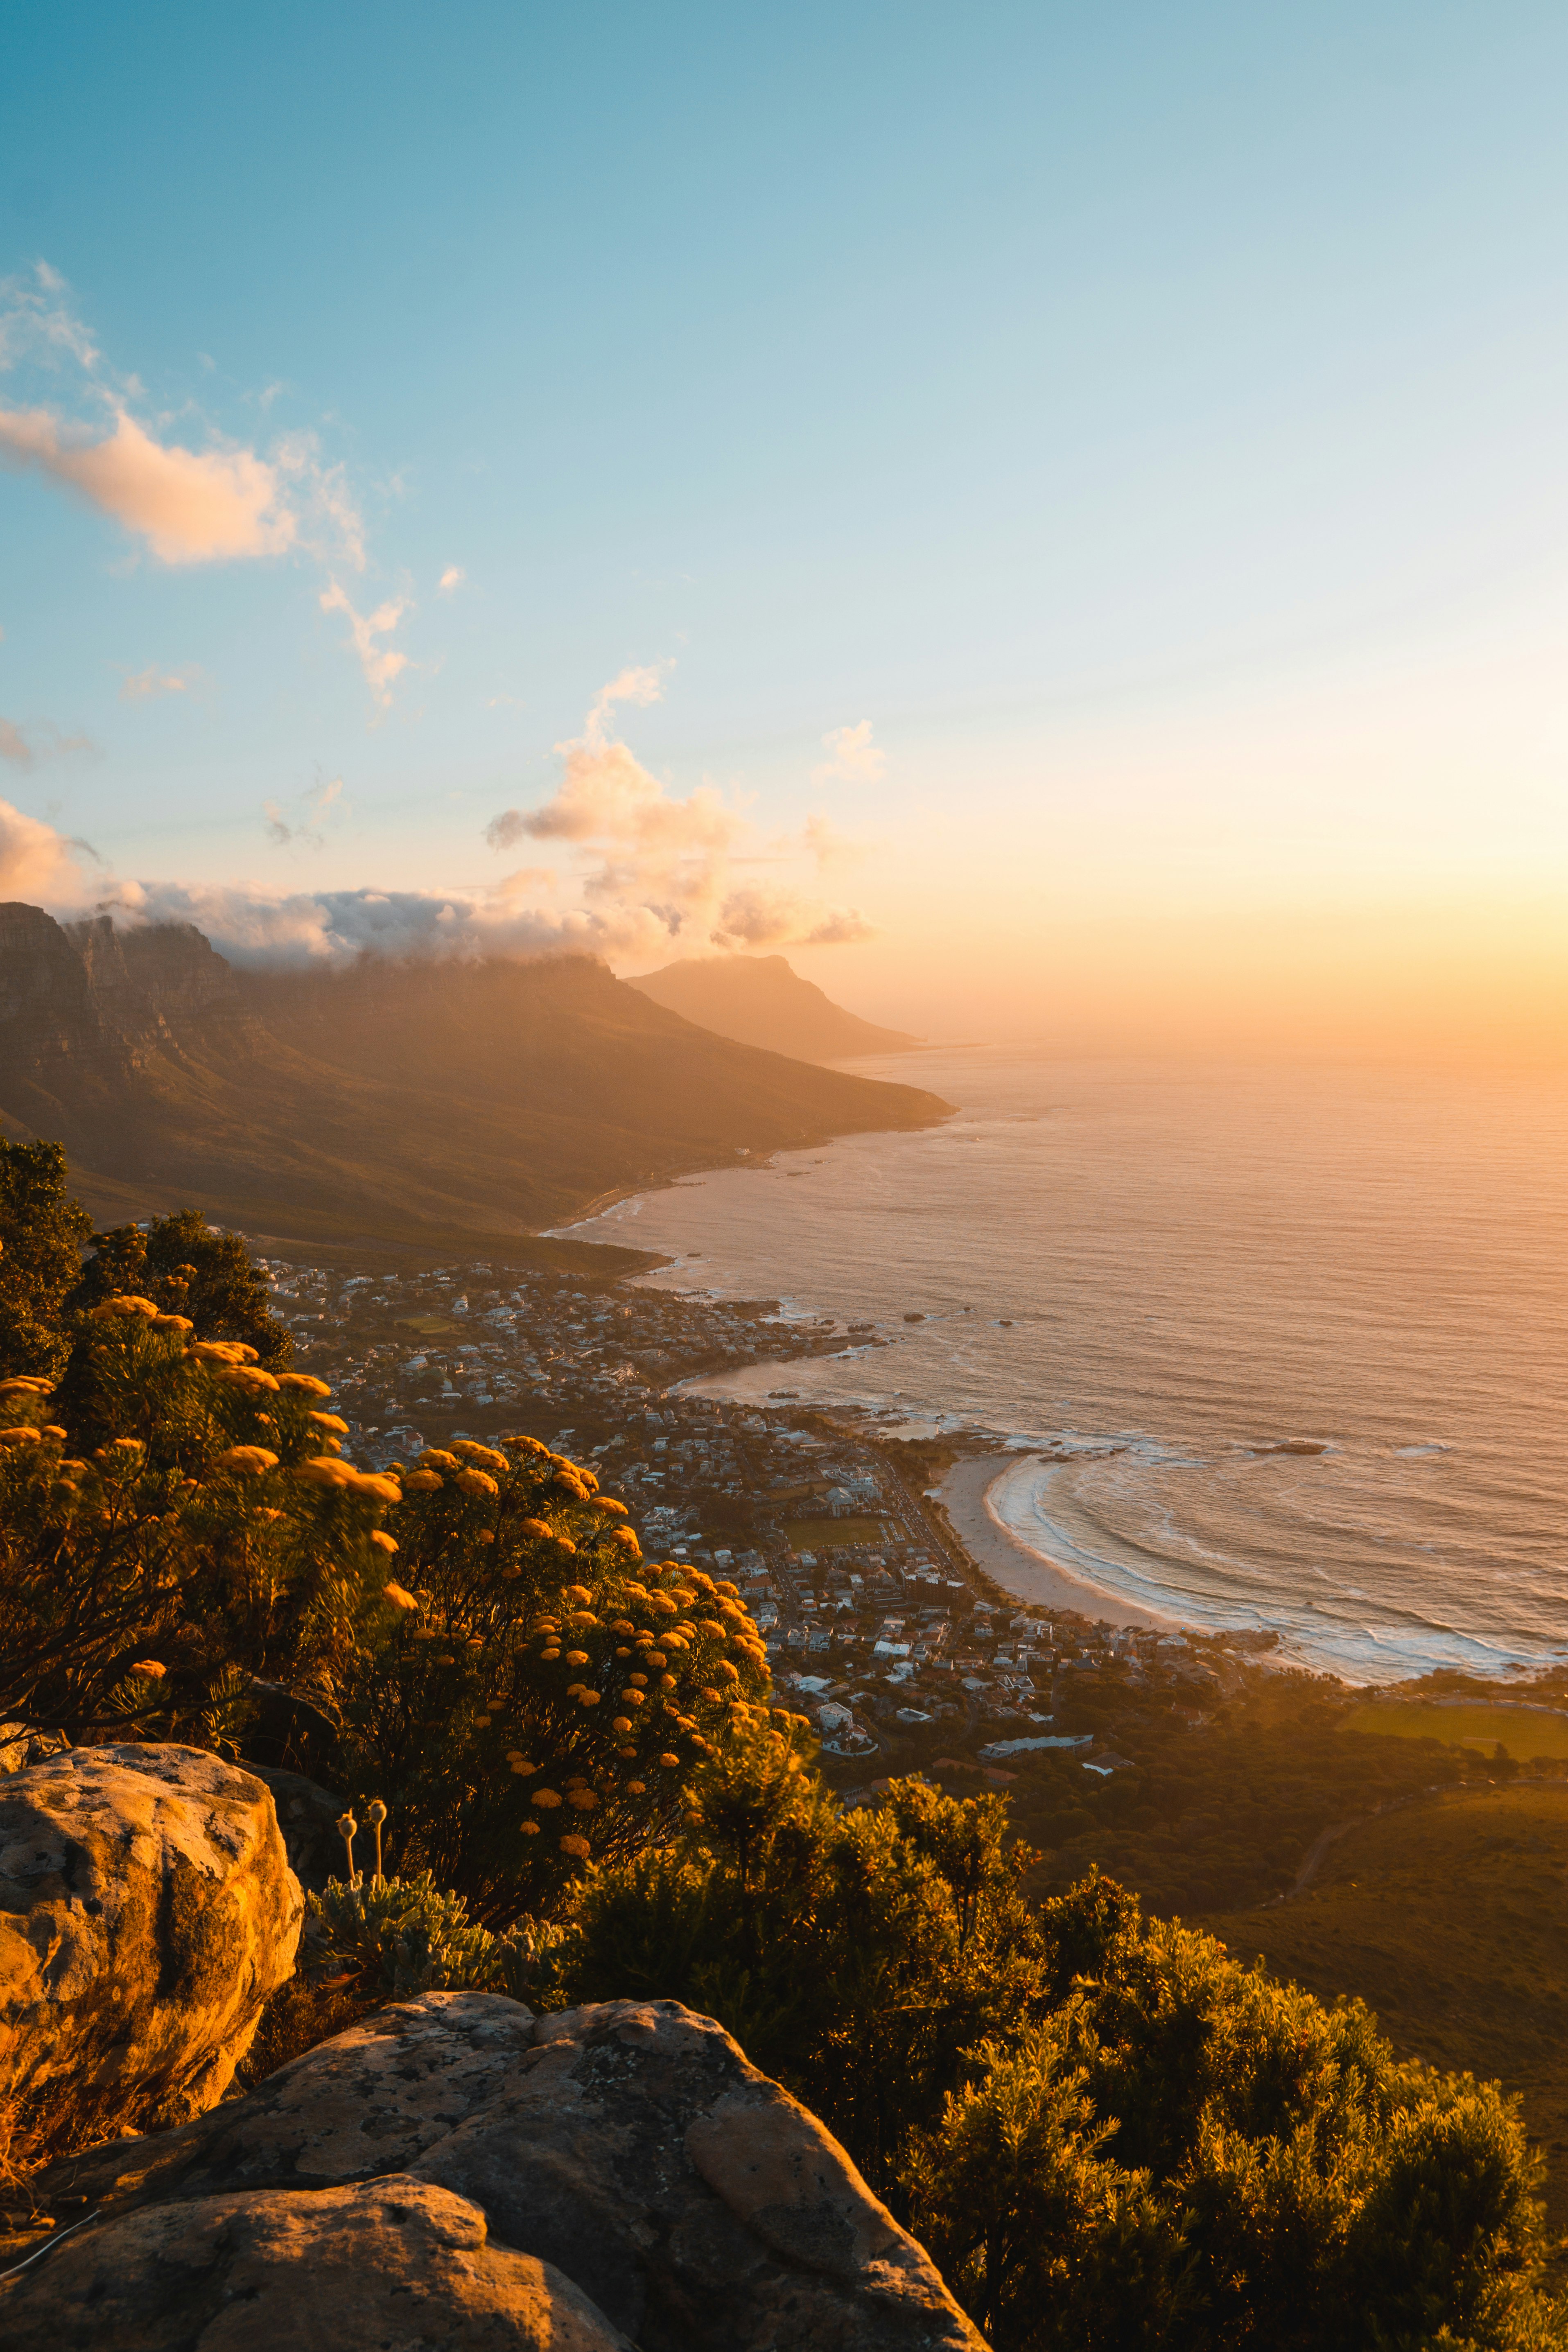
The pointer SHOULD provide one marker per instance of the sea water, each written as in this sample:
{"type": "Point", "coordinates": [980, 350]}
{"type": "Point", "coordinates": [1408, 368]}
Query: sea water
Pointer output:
{"type": "Point", "coordinates": [1272, 1349]}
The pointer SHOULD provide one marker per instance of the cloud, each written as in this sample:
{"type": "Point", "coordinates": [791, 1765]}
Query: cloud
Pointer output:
{"type": "Point", "coordinates": [255, 928]}
{"type": "Point", "coordinates": [190, 507]}
{"type": "Point", "coordinates": [147, 685]}
{"type": "Point", "coordinates": [36, 861]}
{"type": "Point", "coordinates": [652, 866]}
{"type": "Point", "coordinates": [451, 580]}
{"type": "Point", "coordinates": [381, 666]}
{"type": "Point", "coordinates": [307, 831]}
{"type": "Point", "coordinates": [43, 743]}
{"type": "Point", "coordinates": [853, 758]}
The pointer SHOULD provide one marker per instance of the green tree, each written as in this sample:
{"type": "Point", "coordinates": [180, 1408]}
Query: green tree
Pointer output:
{"type": "Point", "coordinates": [186, 1267]}
{"type": "Point", "coordinates": [1183, 2153]}
{"type": "Point", "coordinates": [42, 1233]}
{"type": "Point", "coordinates": [853, 1955]}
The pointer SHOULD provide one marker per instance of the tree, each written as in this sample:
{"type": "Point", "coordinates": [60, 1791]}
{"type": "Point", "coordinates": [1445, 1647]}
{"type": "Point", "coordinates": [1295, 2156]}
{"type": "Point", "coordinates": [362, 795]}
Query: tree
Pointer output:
{"type": "Point", "coordinates": [1181, 2152]}
{"type": "Point", "coordinates": [186, 1268]}
{"type": "Point", "coordinates": [853, 1955]}
{"type": "Point", "coordinates": [42, 1234]}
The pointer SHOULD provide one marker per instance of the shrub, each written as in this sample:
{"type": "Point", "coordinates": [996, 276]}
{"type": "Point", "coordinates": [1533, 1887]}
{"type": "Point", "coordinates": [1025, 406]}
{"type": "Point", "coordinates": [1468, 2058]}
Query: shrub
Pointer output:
{"type": "Point", "coordinates": [1184, 2153]}
{"type": "Point", "coordinates": [853, 1955]}
{"type": "Point", "coordinates": [391, 1938]}
{"type": "Point", "coordinates": [42, 1233]}
{"type": "Point", "coordinates": [552, 1699]}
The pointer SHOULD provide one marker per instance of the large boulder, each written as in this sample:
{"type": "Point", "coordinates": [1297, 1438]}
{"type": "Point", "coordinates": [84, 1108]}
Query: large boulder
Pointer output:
{"type": "Point", "coordinates": [629, 2146]}
{"type": "Point", "coordinates": [391, 2262]}
{"type": "Point", "coordinates": [147, 1910]}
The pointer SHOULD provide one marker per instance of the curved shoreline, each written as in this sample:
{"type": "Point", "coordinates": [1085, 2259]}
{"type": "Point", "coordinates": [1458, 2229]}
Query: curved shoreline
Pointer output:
{"type": "Point", "coordinates": [1016, 1567]}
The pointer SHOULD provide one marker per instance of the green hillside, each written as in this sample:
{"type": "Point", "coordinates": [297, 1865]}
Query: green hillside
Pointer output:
{"type": "Point", "coordinates": [1450, 1917]}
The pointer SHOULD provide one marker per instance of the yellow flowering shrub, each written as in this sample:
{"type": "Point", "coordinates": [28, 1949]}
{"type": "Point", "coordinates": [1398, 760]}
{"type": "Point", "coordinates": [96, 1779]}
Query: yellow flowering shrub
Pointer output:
{"type": "Point", "coordinates": [468, 1734]}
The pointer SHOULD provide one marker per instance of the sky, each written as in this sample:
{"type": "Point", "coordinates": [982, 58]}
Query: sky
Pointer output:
{"type": "Point", "coordinates": [1051, 518]}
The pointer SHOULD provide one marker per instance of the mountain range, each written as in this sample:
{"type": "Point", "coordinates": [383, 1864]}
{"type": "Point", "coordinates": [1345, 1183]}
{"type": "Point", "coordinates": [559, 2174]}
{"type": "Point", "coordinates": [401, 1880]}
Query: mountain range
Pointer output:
{"type": "Point", "coordinates": [760, 1001]}
{"type": "Point", "coordinates": [424, 1102]}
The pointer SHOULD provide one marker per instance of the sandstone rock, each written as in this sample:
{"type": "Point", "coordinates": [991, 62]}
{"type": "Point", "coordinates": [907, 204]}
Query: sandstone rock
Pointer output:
{"type": "Point", "coordinates": [147, 1910]}
{"type": "Point", "coordinates": [629, 2145]}
{"type": "Point", "coordinates": [392, 2263]}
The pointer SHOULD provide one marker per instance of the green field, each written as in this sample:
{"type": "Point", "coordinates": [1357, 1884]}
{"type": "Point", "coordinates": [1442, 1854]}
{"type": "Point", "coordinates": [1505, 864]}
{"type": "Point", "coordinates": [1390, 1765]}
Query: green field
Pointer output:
{"type": "Point", "coordinates": [830, 1535]}
{"type": "Point", "coordinates": [1524, 1731]}
{"type": "Point", "coordinates": [1449, 1917]}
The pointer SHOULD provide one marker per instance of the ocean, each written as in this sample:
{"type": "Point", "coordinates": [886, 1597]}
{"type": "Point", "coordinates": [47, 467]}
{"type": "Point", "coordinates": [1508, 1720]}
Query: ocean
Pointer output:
{"type": "Point", "coordinates": [1268, 1349]}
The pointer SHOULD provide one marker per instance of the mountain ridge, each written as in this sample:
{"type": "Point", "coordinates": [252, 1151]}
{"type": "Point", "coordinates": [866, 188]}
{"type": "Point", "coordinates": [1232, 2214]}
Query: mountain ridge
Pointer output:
{"type": "Point", "coordinates": [762, 1001]}
{"type": "Point", "coordinates": [398, 1100]}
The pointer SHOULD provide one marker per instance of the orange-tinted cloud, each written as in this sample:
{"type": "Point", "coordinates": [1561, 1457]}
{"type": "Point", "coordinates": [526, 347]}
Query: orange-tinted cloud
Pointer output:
{"type": "Point", "coordinates": [853, 758]}
{"type": "Point", "coordinates": [381, 666]}
{"type": "Point", "coordinates": [147, 685]}
{"type": "Point", "coordinates": [34, 860]}
{"type": "Point", "coordinates": [654, 867]}
{"type": "Point", "coordinates": [189, 505]}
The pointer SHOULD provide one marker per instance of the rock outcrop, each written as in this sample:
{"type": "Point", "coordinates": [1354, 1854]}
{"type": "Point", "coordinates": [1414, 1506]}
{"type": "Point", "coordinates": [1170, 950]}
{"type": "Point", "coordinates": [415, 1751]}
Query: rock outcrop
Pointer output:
{"type": "Point", "coordinates": [147, 1910]}
{"type": "Point", "coordinates": [627, 2148]}
{"type": "Point", "coordinates": [390, 2263]}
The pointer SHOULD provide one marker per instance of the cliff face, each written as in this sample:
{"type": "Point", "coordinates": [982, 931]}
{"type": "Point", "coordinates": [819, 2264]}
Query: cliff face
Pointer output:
{"type": "Point", "coordinates": [395, 1100]}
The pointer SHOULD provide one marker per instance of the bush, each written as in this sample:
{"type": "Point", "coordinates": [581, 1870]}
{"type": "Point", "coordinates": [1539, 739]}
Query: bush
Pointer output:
{"type": "Point", "coordinates": [392, 1939]}
{"type": "Point", "coordinates": [525, 1691]}
{"type": "Point", "coordinates": [1187, 2154]}
{"type": "Point", "coordinates": [852, 1954]}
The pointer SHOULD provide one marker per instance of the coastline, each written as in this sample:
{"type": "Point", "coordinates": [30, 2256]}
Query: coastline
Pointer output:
{"type": "Point", "coordinates": [1011, 1563]}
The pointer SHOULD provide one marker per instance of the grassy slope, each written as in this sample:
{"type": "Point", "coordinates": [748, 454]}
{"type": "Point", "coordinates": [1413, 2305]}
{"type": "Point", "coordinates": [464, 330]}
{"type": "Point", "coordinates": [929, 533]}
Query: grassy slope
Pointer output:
{"type": "Point", "coordinates": [1450, 1918]}
{"type": "Point", "coordinates": [427, 1102]}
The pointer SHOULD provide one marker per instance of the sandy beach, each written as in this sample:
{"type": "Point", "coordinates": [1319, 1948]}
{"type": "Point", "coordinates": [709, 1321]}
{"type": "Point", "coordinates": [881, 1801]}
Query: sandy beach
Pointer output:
{"type": "Point", "coordinates": [1015, 1568]}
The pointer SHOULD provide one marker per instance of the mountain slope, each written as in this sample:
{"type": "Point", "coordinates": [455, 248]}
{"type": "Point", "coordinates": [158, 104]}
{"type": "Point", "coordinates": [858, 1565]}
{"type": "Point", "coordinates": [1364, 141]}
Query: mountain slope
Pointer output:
{"type": "Point", "coordinates": [390, 1100]}
{"type": "Point", "coordinates": [760, 1001]}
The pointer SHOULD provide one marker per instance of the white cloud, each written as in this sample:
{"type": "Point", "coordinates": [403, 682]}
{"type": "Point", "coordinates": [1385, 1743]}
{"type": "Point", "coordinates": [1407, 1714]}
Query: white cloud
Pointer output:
{"type": "Point", "coordinates": [380, 665]}
{"type": "Point", "coordinates": [147, 685]}
{"type": "Point", "coordinates": [451, 580]}
{"type": "Point", "coordinates": [652, 866]}
{"type": "Point", "coordinates": [853, 758]}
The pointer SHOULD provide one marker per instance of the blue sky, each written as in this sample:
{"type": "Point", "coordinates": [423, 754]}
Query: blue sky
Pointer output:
{"type": "Point", "coordinates": [1141, 427]}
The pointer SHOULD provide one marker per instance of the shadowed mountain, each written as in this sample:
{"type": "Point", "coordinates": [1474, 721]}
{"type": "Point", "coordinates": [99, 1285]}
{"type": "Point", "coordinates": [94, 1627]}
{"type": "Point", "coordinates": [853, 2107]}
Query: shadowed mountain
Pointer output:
{"type": "Point", "coordinates": [421, 1102]}
{"type": "Point", "coordinates": [759, 1000]}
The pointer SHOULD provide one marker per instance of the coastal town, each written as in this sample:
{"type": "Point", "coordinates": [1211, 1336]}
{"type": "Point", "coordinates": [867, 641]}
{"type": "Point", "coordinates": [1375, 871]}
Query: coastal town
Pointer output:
{"type": "Point", "coordinates": [878, 1621]}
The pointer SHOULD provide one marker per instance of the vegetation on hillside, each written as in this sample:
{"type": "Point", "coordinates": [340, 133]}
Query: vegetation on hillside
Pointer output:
{"type": "Point", "coordinates": [1478, 1983]}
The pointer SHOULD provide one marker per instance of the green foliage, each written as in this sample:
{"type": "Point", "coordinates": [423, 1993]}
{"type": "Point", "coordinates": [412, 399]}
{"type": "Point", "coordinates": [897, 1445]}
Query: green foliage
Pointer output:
{"type": "Point", "coordinates": [180, 1266]}
{"type": "Point", "coordinates": [42, 1233]}
{"type": "Point", "coordinates": [186, 1268]}
{"type": "Point", "coordinates": [528, 1695]}
{"type": "Point", "coordinates": [852, 1954]}
{"type": "Point", "coordinates": [1182, 2152]}
{"type": "Point", "coordinates": [396, 1937]}
{"type": "Point", "coordinates": [144, 1587]}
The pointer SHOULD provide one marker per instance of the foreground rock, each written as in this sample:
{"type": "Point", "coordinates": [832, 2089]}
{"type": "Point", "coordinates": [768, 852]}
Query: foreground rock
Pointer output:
{"type": "Point", "coordinates": [627, 2148]}
{"type": "Point", "coordinates": [389, 2262]}
{"type": "Point", "coordinates": [147, 1910]}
